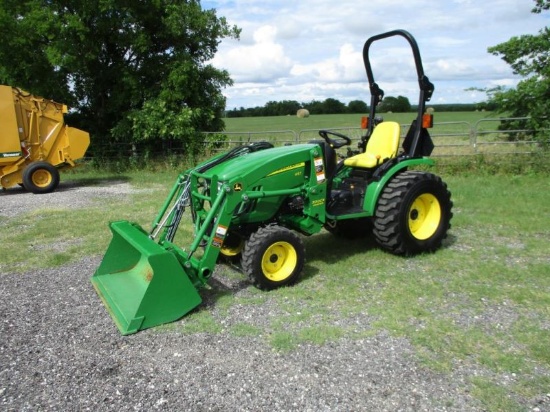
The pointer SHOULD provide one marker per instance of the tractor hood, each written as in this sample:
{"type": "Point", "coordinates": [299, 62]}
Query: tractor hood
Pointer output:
{"type": "Point", "coordinates": [269, 162]}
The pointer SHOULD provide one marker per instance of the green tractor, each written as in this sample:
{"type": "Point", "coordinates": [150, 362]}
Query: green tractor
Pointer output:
{"type": "Point", "coordinates": [252, 203]}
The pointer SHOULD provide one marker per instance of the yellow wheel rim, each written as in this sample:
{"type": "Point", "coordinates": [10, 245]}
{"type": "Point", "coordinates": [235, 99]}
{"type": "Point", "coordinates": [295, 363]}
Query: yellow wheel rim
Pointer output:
{"type": "Point", "coordinates": [232, 246]}
{"type": "Point", "coordinates": [42, 178]}
{"type": "Point", "coordinates": [279, 261]}
{"type": "Point", "coordinates": [424, 216]}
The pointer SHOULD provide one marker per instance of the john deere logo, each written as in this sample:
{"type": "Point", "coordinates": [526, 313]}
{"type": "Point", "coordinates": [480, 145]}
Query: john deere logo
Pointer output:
{"type": "Point", "coordinates": [237, 187]}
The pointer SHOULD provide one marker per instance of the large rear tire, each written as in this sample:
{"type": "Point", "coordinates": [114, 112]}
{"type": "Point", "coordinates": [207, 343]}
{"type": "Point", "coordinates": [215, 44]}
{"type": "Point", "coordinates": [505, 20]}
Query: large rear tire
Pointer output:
{"type": "Point", "coordinates": [413, 213]}
{"type": "Point", "coordinates": [40, 177]}
{"type": "Point", "coordinates": [272, 257]}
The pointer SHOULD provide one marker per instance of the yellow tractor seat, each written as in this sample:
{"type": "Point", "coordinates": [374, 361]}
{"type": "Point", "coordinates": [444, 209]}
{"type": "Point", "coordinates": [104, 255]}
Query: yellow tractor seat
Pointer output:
{"type": "Point", "coordinates": [382, 145]}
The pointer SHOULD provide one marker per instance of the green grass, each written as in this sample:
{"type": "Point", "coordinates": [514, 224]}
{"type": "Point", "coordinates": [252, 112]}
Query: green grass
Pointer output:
{"type": "Point", "coordinates": [269, 123]}
{"type": "Point", "coordinates": [482, 302]}
{"type": "Point", "coordinates": [454, 133]}
{"type": "Point", "coordinates": [65, 233]}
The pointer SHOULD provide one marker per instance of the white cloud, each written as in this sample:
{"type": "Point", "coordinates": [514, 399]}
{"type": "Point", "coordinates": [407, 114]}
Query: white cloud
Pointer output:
{"type": "Point", "coordinates": [263, 61]}
{"type": "Point", "coordinates": [313, 49]}
{"type": "Point", "coordinates": [453, 68]}
{"type": "Point", "coordinates": [346, 67]}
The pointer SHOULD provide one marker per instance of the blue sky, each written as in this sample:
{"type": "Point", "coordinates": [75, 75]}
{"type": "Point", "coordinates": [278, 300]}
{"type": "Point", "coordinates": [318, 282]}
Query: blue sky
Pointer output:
{"type": "Point", "coordinates": [311, 50]}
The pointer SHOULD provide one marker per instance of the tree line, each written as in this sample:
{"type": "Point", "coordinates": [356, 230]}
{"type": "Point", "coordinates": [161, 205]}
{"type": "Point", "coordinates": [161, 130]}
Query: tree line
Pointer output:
{"type": "Point", "coordinates": [392, 104]}
{"type": "Point", "coordinates": [290, 107]}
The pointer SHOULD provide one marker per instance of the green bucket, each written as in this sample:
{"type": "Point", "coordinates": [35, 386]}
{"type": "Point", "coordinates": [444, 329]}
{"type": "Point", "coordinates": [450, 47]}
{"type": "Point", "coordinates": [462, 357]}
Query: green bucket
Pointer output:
{"type": "Point", "coordinates": [141, 283]}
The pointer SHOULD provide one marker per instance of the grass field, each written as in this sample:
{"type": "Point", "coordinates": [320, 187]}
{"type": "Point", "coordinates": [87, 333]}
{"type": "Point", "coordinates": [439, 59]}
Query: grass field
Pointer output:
{"type": "Point", "coordinates": [454, 133]}
{"type": "Point", "coordinates": [480, 305]}
{"type": "Point", "coordinates": [262, 124]}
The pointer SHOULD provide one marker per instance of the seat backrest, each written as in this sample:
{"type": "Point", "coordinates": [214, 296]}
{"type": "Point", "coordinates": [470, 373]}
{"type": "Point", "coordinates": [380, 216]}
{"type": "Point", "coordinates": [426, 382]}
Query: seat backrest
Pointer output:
{"type": "Point", "coordinates": [382, 145]}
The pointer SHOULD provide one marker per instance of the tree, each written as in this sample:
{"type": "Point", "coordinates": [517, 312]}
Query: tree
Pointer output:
{"type": "Point", "coordinates": [529, 56]}
{"type": "Point", "coordinates": [357, 106]}
{"type": "Point", "coordinates": [399, 104]}
{"type": "Point", "coordinates": [333, 106]}
{"type": "Point", "coordinates": [282, 108]}
{"type": "Point", "coordinates": [314, 107]}
{"type": "Point", "coordinates": [541, 5]}
{"type": "Point", "coordinates": [121, 65]}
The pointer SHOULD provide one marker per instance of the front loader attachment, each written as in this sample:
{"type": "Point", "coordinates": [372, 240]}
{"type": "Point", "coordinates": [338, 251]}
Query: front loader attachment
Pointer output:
{"type": "Point", "coordinates": [141, 283]}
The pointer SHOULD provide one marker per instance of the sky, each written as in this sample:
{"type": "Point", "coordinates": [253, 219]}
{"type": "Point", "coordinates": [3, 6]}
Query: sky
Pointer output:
{"type": "Point", "coordinates": [308, 50]}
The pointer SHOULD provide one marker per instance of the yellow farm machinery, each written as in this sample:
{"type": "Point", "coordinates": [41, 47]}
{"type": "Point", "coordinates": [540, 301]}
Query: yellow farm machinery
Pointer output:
{"type": "Point", "coordinates": [35, 142]}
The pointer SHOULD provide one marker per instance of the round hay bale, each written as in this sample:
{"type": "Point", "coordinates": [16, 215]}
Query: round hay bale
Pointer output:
{"type": "Point", "coordinates": [302, 113]}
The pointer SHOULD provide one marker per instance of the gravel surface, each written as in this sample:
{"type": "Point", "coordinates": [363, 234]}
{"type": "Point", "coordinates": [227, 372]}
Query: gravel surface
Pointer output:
{"type": "Point", "coordinates": [60, 351]}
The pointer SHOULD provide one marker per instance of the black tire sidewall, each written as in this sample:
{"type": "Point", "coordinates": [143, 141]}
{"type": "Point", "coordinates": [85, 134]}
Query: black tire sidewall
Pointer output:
{"type": "Point", "coordinates": [255, 248]}
{"type": "Point", "coordinates": [30, 170]}
{"type": "Point", "coordinates": [424, 186]}
{"type": "Point", "coordinates": [391, 223]}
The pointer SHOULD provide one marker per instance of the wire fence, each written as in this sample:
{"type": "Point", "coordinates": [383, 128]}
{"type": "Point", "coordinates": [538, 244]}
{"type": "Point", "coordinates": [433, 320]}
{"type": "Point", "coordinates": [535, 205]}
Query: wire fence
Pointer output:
{"type": "Point", "coordinates": [451, 139]}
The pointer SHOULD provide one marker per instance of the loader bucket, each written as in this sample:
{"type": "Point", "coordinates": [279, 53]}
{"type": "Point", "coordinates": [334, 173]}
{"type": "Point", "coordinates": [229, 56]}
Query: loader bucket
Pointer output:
{"type": "Point", "coordinates": [141, 283]}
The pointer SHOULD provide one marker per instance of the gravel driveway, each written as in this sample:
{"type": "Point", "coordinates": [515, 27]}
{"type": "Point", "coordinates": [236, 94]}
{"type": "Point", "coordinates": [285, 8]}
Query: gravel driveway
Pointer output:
{"type": "Point", "coordinates": [60, 351]}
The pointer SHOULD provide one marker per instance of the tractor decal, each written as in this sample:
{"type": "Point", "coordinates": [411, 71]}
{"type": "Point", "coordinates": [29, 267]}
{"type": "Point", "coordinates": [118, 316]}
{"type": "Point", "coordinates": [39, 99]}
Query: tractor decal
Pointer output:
{"type": "Point", "coordinates": [319, 169]}
{"type": "Point", "coordinates": [287, 168]}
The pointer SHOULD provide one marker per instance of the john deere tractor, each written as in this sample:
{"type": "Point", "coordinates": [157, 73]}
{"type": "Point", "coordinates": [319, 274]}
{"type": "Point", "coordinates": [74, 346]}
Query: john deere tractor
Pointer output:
{"type": "Point", "coordinates": [254, 203]}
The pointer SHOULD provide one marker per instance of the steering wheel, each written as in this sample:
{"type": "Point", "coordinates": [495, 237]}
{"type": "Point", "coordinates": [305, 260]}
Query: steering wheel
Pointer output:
{"type": "Point", "coordinates": [342, 140]}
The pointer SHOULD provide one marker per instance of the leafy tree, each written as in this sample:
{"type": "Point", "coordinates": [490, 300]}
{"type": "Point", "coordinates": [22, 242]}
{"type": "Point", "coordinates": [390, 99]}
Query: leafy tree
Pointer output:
{"type": "Point", "coordinates": [282, 108]}
{"type": "Point", "coordinates": [399, 104]}
{"type": "Point", "coordinates": [121, 65]}
{"type": "Point", "coordinates": [529, 56]}
{"type": "Point", "coordinates": [333, 106]}
{"type": "Point", "coordinates": [541, 5]}
{"type": "Point", "coordinates": [314, 107]}
{"type": "Point", "coordinates": [357, 106]}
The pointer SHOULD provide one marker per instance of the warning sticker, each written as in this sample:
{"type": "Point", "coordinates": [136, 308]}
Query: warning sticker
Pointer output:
{"type": "Point", "coordinates": [320, 177]}
{"type": "Point", "coordinates": [217, 242]}
{"type": "Point", "coordinates": [319, 169]}
{"type": "Point", "coordinates": [221, 230]}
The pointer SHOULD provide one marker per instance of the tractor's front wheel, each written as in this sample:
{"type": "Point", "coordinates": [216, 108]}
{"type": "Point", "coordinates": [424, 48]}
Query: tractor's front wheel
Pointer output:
{"type": "Point", "coordinates": [273, 256]}
{"type": "Point", "coordinates": [413, 213]}
{"type": "Point", "coordinates": [232, 247]}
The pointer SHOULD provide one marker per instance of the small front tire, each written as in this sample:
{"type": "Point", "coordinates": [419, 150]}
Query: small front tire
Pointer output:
{"type": "Point", "coordinates": [273, 256]}
{"type": "Point", "coordinates": [232, 247]}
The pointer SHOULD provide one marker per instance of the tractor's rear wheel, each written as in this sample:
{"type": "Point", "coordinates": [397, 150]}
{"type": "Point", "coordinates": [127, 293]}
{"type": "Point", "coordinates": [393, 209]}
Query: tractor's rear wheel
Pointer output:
{"type": "Point", "coordinates": [40, 177]}
{"type": "Point", "coordinates": [413, 213]}
{"type": "Point", "coordinates": [272, 257]}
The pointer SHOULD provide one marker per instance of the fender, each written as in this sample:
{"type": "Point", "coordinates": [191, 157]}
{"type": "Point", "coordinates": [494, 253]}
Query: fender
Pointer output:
{"type": "Point", "coordinates": [374, 189]}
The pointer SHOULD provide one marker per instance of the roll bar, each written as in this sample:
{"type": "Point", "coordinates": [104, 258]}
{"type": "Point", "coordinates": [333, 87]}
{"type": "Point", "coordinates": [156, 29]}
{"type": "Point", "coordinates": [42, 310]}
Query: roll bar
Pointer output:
{"type": "Point", "coordinates": [377, 94]}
